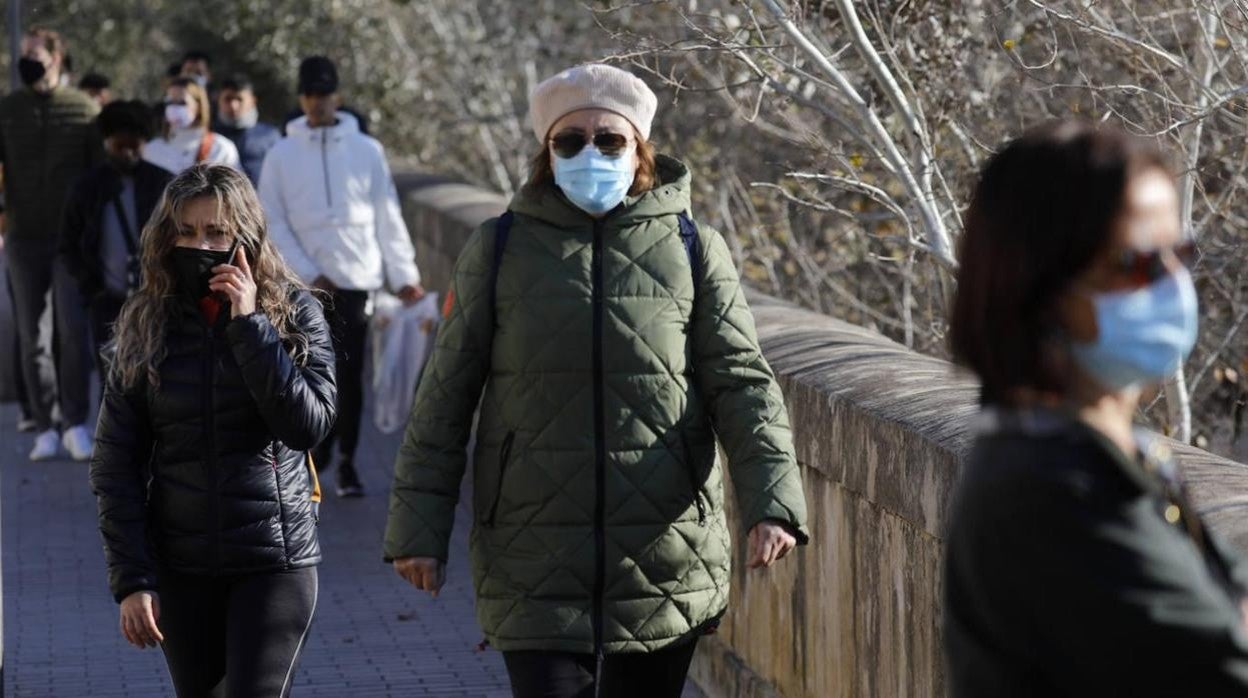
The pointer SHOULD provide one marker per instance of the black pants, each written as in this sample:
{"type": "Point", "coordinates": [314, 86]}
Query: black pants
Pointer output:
{"type": "Point", "coordinates": [35, 270]}
{"type": "Point", "coordinates": [103, 313]}
{"type": "Point", "coordinates": [565, 675]}
{"type": "Point", "coordinates": [243, 632]}
{"type": "Point", "coordinates": [19, 380]}
{"type": "Point", "coordinates": [347, 314]}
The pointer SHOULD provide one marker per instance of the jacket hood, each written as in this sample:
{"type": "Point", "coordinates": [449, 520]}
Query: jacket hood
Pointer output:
{"type": "Point", "coordinates": [347, 124]}
{"type": "Point", "coordinates": [547, 202]}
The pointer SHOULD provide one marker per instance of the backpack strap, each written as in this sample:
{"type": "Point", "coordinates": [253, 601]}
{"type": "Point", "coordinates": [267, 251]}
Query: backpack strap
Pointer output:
{"type": "Point", "coordinates": [316, 488]}
{"type": "Point", "coordinates": [502, 229]}
{"type": "Point", "coordinates": [689, 236]}
{"type": "Point", "coordinates": [205, 146]}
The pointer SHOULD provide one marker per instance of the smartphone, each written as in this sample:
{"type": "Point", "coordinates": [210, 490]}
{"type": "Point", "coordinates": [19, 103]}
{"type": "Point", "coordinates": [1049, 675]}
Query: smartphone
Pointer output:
{"type": "Point", "coordinates": [230, 261]}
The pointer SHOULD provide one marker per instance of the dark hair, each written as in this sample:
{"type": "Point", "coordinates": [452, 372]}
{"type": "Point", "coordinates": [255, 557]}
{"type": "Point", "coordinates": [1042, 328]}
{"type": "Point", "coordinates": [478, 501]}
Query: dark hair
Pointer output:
{"type": "Point", "coordinates": [196, 55]}
{"type": "Point", "coordinates": [134, 118]}
{"type": "Point", "coordinates": [542, 173]}
{"type": "Point", "coordinates": [94, 81]}
{"type": "Point", "coordinates": [237, 83]}
{"type": "Point", "coordinates": [317, 76]}
{"type": "Point", "coordinates": [52, 41]}
{"type": "Point", "coordinates": [1043, 211]}
{"type": "Point", "coordinates": [174, 70]}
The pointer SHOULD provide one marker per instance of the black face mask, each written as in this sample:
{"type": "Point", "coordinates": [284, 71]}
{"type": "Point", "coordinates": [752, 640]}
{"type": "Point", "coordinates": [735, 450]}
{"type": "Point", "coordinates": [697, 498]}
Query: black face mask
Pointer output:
{"type": "Point", "coordinates": [31, 71]}
{"type": "Point", "coordinates": [192, 268]}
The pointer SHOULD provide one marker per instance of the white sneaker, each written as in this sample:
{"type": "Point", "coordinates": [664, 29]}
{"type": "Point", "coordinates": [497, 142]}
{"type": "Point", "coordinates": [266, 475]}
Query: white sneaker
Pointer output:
{"type": "Point", "coordinates": [47, 446]}
{"type": "Point", "coordinates": [77, 440]}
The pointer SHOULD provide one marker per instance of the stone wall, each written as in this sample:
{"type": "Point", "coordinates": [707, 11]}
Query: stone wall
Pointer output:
{"type": "Point", "coordinates": [880, 431]}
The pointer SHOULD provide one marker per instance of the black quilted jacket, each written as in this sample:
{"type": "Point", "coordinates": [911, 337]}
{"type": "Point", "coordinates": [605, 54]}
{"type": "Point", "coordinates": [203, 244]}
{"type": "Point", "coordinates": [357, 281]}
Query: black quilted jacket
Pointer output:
{"type": "Point", "coordinates": [206, 474]}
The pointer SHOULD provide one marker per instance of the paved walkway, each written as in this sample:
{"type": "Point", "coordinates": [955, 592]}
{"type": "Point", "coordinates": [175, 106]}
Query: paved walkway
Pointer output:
{"type": "Point", "coordinates": [372, 636]}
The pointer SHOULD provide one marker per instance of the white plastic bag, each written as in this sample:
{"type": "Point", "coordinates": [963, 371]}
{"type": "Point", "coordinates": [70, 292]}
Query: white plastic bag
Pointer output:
{"type": "Point", "coordinates": [402, 340]}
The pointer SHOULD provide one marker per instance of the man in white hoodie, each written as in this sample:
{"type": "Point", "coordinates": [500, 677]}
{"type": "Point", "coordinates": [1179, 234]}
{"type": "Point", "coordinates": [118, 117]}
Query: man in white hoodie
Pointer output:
{"type": "Point", "coordinates": [334, 214]}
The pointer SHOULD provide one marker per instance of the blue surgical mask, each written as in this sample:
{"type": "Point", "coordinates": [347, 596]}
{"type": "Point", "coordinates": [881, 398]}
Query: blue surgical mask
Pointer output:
{"type": "Point", "coordinates": [594, 182]}
{"type": "Point", "coordinates": [1144, 335]}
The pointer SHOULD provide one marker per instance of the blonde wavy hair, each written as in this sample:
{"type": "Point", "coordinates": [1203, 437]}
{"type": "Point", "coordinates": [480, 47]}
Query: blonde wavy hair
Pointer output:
{"type": "Point", "coordinates": [139, 343]}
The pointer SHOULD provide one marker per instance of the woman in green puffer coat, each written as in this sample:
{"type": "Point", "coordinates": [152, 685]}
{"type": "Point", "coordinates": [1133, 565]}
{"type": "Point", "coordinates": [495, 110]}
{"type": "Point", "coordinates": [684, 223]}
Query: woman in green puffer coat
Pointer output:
{"type": "Point", "coordinates": [612, 353]}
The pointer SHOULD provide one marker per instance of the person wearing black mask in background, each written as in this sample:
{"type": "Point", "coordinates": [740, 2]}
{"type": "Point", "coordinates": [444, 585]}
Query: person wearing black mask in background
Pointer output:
{"type": "Point", "coordinates": [238, 119]}
{"type": "Point", "coordinates": [104, 214]}
{"type": "Point", "coordinates": [47, 139]}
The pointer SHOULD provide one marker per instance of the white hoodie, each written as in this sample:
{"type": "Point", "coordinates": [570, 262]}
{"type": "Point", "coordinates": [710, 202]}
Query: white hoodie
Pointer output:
{"type": "Point", "coordinates": [333, 210]}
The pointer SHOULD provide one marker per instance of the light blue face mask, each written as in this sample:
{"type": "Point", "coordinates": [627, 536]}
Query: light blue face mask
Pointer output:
{"type": "Point", "coordinates": [594, 182]}
{"type": "Point", "coordinates": [1143, 336]}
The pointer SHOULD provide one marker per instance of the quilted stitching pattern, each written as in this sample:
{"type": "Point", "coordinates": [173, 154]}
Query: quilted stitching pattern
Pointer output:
{"type": "Point", "coordinates": [670, 387]}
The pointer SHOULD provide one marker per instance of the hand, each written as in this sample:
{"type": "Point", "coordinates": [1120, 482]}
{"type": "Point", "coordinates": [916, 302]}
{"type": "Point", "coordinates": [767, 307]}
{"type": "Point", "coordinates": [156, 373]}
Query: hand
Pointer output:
{"type": "Point", "coordinates": [139, 613]}
{"type": "Point", "coordinates": [236, 283]}
{"type": "Point", "coordinates": [769, 541]}
{"type": "Point", "coordinates": [324, 284]}
{"type": "Point", "coordinates": [411, 294]}
{"type": "Point", "coordinates": [424, 573]}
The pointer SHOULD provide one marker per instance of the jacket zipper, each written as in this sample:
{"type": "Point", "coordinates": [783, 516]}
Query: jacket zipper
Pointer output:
{"type": "Point", "coordinates": [210, 428]}
{"type": "Point", "coordinates": [329, 199]}
{"type": "Point", "coordinates": [691, 467]}
{"type": "Point", "coordinates": [281, 506]}
{"type": "Point", "coordinates": [600, 451]}
{"type": "Point", "coordinates": [504, 456]}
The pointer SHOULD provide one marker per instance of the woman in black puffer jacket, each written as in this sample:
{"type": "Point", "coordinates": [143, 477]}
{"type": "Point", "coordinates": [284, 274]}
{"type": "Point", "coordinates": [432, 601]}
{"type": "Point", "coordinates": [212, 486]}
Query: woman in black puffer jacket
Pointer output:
{"type": "Point", "coordinates": [222, 379]}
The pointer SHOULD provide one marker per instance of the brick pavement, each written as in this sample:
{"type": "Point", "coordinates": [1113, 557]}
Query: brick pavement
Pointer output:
{"type": "Point", "coordinates": [372, 636]}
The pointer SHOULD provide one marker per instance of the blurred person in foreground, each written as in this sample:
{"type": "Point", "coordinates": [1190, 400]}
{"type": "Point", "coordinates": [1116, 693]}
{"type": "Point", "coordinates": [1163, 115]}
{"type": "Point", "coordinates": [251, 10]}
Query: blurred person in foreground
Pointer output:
{"type": "Point", "coordinates": [185, 138]}
{"type": "Point", "coordinates": [334, 214]}
{"type": "Point", "coordinates": [611, 339]}
{"type": "Point", "coordinates": [222, 380]}
{"type": "Point", "coordinates": [47, 139]}
{"type": "Point", "coordinates": [105, 213]}
{"type": "Point", "coordinates": [1075, 564]}
{"type": "Point", "coordinates": [238, 119]}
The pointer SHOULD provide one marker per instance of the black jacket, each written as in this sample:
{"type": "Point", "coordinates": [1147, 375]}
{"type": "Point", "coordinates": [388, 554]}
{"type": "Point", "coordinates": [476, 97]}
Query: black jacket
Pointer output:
{"type": "Point", "coordinates": [84, 214]}
{"type": "Point", "coordinates": [1074, 570]}
{"type": "Point", "coordinates": [207, 473]}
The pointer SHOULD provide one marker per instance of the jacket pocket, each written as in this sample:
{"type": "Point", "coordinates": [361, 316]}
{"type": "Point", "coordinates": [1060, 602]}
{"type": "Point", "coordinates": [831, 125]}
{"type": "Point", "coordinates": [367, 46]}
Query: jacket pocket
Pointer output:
{"type": "Point", "coordinates": [504, 456]}
{"type": "Point", "coordinates": [695, 484]}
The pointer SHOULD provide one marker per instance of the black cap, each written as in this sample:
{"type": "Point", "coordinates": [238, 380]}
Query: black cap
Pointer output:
{"type": "Point", "coordinates": [318, 76]}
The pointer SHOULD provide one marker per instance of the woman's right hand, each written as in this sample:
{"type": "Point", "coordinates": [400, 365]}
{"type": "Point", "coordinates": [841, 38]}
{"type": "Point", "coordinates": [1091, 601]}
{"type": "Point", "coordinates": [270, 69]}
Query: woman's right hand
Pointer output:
{"type": "Point", "coordinates": [424, 573]}
{"type": "Point", "coordinates": [139, 613]}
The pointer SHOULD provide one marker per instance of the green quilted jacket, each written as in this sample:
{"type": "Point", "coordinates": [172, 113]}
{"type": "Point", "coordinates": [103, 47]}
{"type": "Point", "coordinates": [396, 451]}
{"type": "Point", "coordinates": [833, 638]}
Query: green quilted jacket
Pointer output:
{"type": "Point", "coordinates": [597, 493]}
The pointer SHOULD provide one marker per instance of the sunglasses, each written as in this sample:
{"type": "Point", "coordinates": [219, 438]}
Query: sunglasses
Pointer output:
{"type": "Point", "coordinates": [1145, 267]}
{"type": "Point", "coordinates": [568, 143]}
